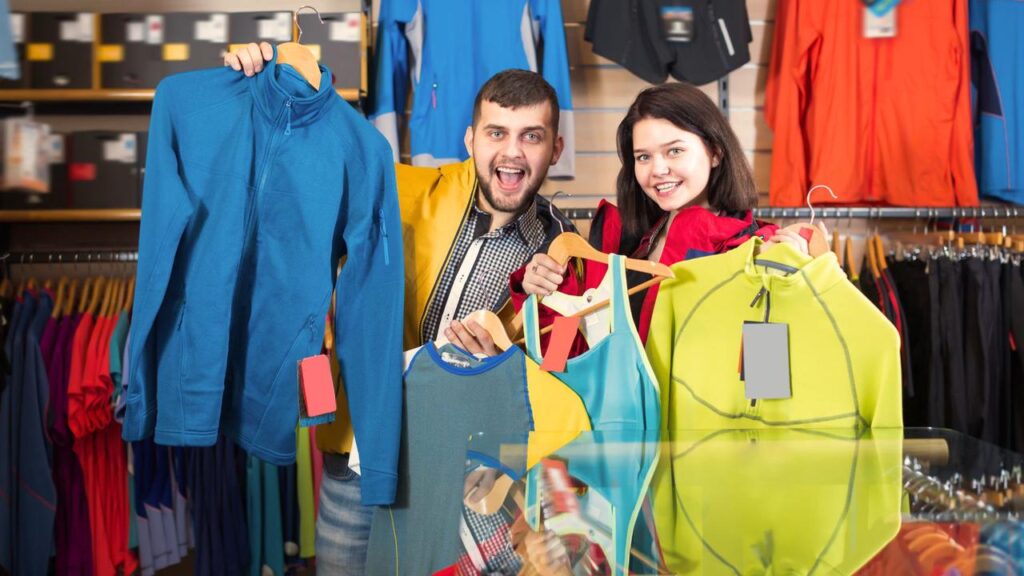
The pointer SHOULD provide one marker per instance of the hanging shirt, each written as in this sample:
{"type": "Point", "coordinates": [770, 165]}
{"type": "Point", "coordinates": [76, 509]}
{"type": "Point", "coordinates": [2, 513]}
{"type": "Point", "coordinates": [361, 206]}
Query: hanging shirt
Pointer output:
{"type": "Point", "coordinates": [844, 355]}
{"type": "Point", "coordinates": [697, 41]}
{"type": "Point", "coordinates": [863, 115]}
{"type": "Point", "coordinates": [996, 52]}
{"type": "Point", "coordinates": [613, 378]}
{"type": "Point", "coordinates": [301, 179]}
{"type": "Point", "coordinates": [28, 506]}
{"type": "Point", "coordinates": [451, 58]}
{"type": "Point", "coordinates": [451, 395]}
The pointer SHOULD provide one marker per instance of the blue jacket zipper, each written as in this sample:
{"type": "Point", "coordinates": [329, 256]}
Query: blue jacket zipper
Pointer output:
{"type": "Point", "coordinates": [384, 237]}
{"type": "Point", "coordinates": [288, 126]}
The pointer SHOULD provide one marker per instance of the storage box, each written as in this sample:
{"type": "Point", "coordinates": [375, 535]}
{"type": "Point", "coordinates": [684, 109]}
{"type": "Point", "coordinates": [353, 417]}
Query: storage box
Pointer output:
{"type": "Point", "coordinates": [60, 49]}
{"type": "Point", "coordinates": [103, 169]}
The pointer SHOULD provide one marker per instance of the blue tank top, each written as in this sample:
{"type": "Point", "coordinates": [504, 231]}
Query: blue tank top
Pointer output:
{"type": "Point", "coordinates": [617, 386]}
{"type": "Point", "coordinates": [613, 378]}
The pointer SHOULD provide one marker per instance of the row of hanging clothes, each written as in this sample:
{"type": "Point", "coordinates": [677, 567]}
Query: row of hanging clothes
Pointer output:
{"type": "Point", "coordinates": [80, 500]}
{"type": "Point", "coordinates": [957, 300]}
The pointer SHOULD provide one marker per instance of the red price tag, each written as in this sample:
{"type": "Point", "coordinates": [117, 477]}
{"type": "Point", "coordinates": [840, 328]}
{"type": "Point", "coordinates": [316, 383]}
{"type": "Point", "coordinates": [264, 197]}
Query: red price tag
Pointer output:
{"type": "Point", "coordinates": [562, 335]}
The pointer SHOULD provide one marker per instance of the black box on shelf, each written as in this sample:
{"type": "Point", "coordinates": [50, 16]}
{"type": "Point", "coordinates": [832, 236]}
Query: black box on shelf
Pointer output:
{"type": "Point", "coordinates": [193, 41]}
{"type": "Point", "coordinates": [246, 27]}
{"type": "Point", "coordinates": [103, 169]}
{"type": "Point", "coordinates": [60, 50]}
{"type": "Point", "coordinates": [127, 59]}
{"type": "Point", "coordinates": [338, 43]}
{"type": "Point", "coordinates": [19, 29]}
{"type": "Point", "coordinates": [57, 197]}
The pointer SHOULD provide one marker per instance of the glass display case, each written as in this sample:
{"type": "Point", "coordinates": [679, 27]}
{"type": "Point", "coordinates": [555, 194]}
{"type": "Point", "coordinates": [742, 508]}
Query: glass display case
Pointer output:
{"type": "Point", "coordinates": [769, 501]}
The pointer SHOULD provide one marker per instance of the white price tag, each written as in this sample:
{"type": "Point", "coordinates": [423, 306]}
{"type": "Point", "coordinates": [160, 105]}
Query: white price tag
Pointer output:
{"type": "Point", "coordinates": [18, 28]}
{"type": "Point", "coordinates": [121, 150]}
{"type": "Point", "coordinates": [879, 26]}
{"type": "Point", "coordinates": [55, 148]}
{"type": "Point", "coordinates": [277, 29]}
{"type": "Point", "coordinates": [86, 26]}
{"type": "Point", "coordinates": [218, 28]}
{"type": "Point", "coordinates": [69, 31]}
{"type": "Point", "coordinates": [135, 32]}
{"type": "Point", "coordinates": [154, 29]}
{"type": "Point", "coordinates": [214, 29]}
{"type": "Point", "coordinates": [346, 30]}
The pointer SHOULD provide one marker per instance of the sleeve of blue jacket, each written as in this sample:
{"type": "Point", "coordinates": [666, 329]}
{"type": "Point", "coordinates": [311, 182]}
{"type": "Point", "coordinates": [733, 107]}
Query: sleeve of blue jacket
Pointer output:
{"type": "Point", "coordinates": [370, 296]}
{"type": "Point", "coordinates": [392, 83]}
{"type": "Point", "coordinates": [555, 69]}
{"type": "Point", "coordinates": [166, 209]}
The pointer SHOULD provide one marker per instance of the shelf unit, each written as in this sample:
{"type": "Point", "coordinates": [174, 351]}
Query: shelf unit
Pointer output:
{"type": "Point", "coordinates": [82, 215]}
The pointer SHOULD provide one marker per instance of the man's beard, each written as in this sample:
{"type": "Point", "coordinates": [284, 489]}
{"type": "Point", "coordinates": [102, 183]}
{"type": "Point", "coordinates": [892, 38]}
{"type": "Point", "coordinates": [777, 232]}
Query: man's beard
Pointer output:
{"type": "Point", "coordinates": [505, 204]}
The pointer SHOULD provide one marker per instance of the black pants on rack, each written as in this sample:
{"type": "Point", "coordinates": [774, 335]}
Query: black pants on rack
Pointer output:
{"type": "Point", "coordinates": [912, 282]}
{"type": "Point", "coordinates": [957, 404]}
{"type": "Point", "coordinates": [1013, 283]}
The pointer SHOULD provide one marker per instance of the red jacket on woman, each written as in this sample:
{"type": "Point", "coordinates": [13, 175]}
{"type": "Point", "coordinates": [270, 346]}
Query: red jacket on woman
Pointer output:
{"type": "Point", "coordinates": [695, 232]}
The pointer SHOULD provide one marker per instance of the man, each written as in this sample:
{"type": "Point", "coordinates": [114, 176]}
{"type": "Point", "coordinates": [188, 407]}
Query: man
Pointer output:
{"type": "Point", "coordinates": [466, 228]}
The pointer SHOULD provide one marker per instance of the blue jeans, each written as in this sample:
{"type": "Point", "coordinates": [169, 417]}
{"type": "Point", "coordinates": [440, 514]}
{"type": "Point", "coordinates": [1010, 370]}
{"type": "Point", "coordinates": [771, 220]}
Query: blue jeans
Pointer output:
{"type": "Point", "coordinates": [343, 524]}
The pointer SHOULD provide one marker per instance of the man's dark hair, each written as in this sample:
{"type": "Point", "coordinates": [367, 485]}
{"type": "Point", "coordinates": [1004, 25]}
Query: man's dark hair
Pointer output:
{"type": "Point", "coordinates": [517, 88]}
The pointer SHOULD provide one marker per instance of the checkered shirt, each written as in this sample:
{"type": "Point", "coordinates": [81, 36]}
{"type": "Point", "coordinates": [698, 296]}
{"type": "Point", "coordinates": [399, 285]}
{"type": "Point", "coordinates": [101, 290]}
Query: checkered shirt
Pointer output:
{"type": "Point", "coordinates": [477, 274]}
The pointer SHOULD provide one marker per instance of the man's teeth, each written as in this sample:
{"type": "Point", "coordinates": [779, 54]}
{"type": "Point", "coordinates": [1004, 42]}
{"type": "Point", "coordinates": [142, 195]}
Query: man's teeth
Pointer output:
{"type": "Point", "coordinates": [509, 170]}
{"type": "Point", "coordinates": [666, 186]}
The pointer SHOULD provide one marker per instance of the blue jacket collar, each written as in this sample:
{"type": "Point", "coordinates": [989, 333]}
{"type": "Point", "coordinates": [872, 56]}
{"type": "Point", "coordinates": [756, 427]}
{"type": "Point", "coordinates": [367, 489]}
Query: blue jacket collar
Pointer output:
{"type": "Point", "coordinates": [277, 85]}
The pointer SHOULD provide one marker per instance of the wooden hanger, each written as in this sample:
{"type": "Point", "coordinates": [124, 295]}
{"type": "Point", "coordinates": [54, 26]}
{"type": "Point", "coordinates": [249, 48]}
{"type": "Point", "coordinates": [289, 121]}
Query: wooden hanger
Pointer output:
{"type": "Point", "coordinates": [851, 265]}
{"type": "Point", "coordinates": [568, 245]}
{"type": "Point", "coordinates": [298, 56]}
{"type": "Point", "coordinates": [837, 248]}
{"type": "Point", "coordinates": [97, 293]}
{"type": "Point", "coordinates": [490, 322]}
{"type": "Point", "coordinates": [58, 300]}
{"type": "Point", "coordinates": [817, 244]}
{"type": "Point", "coordinates": [109, 295]}
{"type": "Point", "coordinates": [68, 306]}
{"type": "Point", "coordinates": [86, 295]}
{"type": "Point", "coordinates": [5, 287]}
{"type": "Point", "coordinates": [872, 258]}
{"type": "Point", "coordinates": [883, 264]}
{"type": "Point", "coordinates": [131, 294]}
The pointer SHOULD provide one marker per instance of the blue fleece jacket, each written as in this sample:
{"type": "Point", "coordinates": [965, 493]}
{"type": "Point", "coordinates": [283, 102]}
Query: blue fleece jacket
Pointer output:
{"type": "Point", "coordinates": [255, 187]}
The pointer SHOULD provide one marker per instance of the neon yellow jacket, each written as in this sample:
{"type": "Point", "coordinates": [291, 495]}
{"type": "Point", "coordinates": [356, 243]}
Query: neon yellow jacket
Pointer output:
{"type": "Point", "coordinates": [777, 501]}
{"type": "Point", "coordinates": [844, 354]}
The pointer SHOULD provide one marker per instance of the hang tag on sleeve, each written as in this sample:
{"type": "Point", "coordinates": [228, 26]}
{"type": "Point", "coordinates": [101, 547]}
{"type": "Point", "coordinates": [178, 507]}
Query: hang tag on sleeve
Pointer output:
{"type": "Point", "coordinates": [562, 335]}
{"type": "Point", "coordinates": [766, 361]}
{"type": "Point", "coordinates": [317, 398]}
{"type": "Point", "coordinates": [876, 26]}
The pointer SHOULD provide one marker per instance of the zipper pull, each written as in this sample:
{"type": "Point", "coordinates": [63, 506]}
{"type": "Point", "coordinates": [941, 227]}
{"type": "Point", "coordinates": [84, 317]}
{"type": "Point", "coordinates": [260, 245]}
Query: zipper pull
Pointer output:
{"type": "Point", "coordinates": [288, 126]}
{"type": "Point", "coordinates": [384, 237]}
{"type": "Point", "coordinates": [433, 95]}
{"type": "Point", "coordinates": [312, 329]}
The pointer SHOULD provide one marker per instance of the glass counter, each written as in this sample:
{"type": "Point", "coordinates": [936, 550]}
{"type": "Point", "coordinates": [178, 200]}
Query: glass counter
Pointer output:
{"type": "Point", "coordinates": [769, 501]}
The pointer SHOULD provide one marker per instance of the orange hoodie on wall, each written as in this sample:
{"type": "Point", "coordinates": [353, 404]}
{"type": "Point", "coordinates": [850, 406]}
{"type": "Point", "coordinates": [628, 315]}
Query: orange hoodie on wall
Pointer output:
{"type": "Point", "coordinates": [879, 120]}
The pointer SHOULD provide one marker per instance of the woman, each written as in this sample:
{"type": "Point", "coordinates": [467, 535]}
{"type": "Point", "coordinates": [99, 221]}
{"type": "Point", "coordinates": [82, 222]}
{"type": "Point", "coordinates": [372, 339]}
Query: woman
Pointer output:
{"type": "Point", "coordinates": [685, 190]}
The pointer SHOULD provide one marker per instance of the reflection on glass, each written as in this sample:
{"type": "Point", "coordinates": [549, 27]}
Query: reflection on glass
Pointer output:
{"type": "Point", "coordinates": [724, 502]}
{"type": "Point", "coordinates": [776, 501]}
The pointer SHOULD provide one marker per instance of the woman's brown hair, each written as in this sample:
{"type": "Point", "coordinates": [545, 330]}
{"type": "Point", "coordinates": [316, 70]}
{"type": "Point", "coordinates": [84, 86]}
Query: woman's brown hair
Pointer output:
{"type": "Point", "coordinates": [730, 184]}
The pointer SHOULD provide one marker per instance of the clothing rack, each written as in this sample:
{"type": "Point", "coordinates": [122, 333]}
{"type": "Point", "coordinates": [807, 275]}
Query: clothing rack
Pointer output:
{"type": "Point", "coordinates": [70, 257]}
{"type": "Point", "coordinates": [870, 213]}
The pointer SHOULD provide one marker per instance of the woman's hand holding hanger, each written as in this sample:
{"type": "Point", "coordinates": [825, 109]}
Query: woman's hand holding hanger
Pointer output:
{"type": "Point", "coordinates": [783, 236]}
{"type": "Point", "coordinates": [543, 275]}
